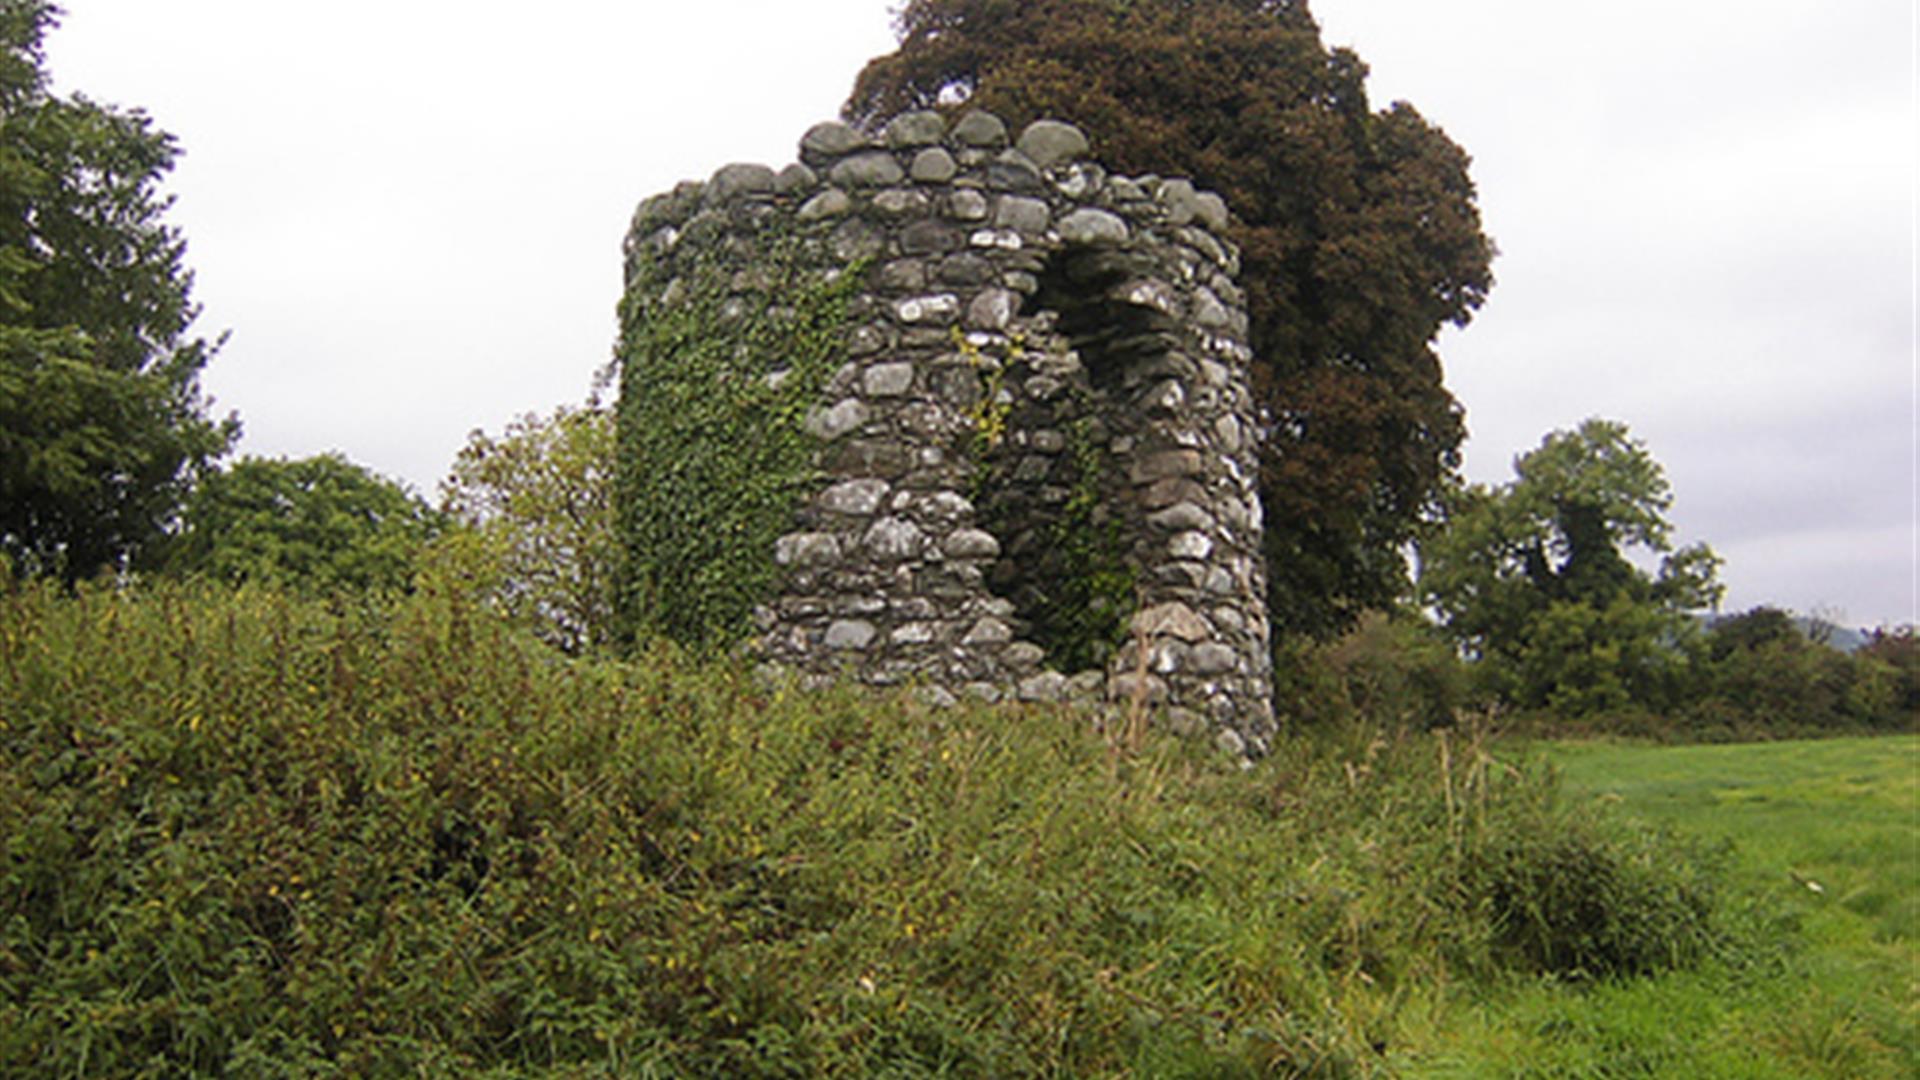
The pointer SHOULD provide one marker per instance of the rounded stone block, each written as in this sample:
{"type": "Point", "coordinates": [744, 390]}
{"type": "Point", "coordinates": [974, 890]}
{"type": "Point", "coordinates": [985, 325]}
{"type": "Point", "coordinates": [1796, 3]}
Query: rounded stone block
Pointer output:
{"type": "Point", "coordinates": [734, 180]}
{"type": "Point", "coordinates": [933, 166]}
{"type": "Point", "coordinates": [847, 634]}
{"type": "Point", "coordinates": [923, 128]}
{"type": "Point", "coordinates": [1052, 142]}
{"type": "Point", "coordinates": [979, 128]}
{"type": "Point", "coordinates": [873, 169]}
{"type": "Point", "coordinates": [1091, 226]}
{"type": "Point", "coordinates": [829, 139]}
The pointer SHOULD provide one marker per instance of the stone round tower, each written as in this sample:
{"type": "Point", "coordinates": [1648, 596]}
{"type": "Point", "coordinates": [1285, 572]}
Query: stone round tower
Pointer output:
{"type": "Point", "coordinates": [1034, 454]}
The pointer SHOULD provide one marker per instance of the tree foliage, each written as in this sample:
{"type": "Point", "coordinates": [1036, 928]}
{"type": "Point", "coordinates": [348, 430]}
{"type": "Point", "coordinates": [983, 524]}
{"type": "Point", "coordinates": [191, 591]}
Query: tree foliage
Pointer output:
{"type": "Point", "coordinates": [540, 496]}
{"type": "Point", "coordinates": [1359, 232]}
{"type": "Point", "coordinates": [102, 425]}
{"type": "Point", "coordinates": [317, 525]}
{"type": "Point", "coordinates": [1532, 577]}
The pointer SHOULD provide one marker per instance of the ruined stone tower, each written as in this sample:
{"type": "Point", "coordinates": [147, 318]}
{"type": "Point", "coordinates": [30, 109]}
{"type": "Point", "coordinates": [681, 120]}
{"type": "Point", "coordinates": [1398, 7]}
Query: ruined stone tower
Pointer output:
{"type": "Point", "coordinates": [1034, 454]}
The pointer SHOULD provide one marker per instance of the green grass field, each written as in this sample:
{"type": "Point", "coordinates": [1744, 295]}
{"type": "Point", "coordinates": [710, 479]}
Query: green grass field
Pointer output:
{"type": "Point", "coordinates": [1827, 832]}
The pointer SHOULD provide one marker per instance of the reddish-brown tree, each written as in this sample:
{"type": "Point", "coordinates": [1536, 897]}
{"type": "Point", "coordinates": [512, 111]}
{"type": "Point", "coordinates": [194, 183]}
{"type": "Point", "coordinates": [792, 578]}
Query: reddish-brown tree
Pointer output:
{"type": "Point", "coordinates": [1359, 233]}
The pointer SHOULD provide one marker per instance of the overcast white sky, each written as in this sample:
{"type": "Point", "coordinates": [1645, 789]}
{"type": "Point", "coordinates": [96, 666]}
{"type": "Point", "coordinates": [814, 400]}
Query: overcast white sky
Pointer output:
{"type": "Point", "coordinates": [409, 213]}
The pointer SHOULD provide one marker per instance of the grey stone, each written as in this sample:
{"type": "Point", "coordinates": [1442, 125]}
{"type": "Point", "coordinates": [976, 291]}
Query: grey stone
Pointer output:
{"type": "Point", "coordinates": [946, 505]}
{"type": "Point", "coordinates": [979, 128]}
{"type": "Point", "coordinates": [1087, 684]}
{"type": "Point", "coordinates": [1212, 211]}
{"type": "Point", "coordinates": [845, 415]}
{"type": "Point", "coordinates": [929, 238]}
{"type": "Point", "coordinates": [1179, 198]}
{"type": "Point", "coordinates": [1164, 464]}
{"type": "Point", "coordinates": [829, 203]}
{"type": "Point", "coordinates": [1151, 293]}
{"type": "Point", "coordinates": [988, 631]}
{"type": "Point", "coordinates": [1227, 429]}
{"type": "Point", "coordinates": [899, 202]}
{"type": "Point", "coordinates": [732, 180]}
{"type": "Point", "coordinates": [914, 633]}
{"type": "Point", "coordinates": [854, 496]}
{"type": "Point", "coordinates": [903, 275]}
{"type": "Point", "coordinates": [1191, 546]}
{"type": "Point", "coordinates": [850, 634]}
{"type": "Point", "coordinates": [971, 544]}
{"type": "Point", "coordinates": [1230, 742]}
{"type": "Point", "coordinates": [1181, 517]}
{"type": "Point", "coordinates": [933, 166]}
{"type": "Point", "coordinates": [1208, 311]}
{"type": "Point", "coordinates": [1021, 214]}
{"type": "Point", "coordinates": [795, 179]}
{"type": "Point", "coordinates": [967, 204]}
{"type": "Point", "coordinates": [875, 168]}
{"type": "Point", "coordinates": [923, 128]}
{"type": "Point", "coordinates": [1005, 239]}
{"type": "Point", "coordinates": [1024, 656]}
{"type": "Point", "coordinates": [1013, 171]}
{"type": "Point", "coordinates": [983, 691]}
{"type": "Point", "coordinates": [861, 340]}
{"type": "Point", "coordinates": [1165, 399]}
{"type": "Point", "coordinates": [1090, 226]}
{"type": "Point", "coordinates": [806, 549]}
{"type": "Point", "coordinates": [1046, 686]}
{"type": "Point", "coordinates": [1079, 180]}
{"type": "Point", "coordinates": [855, 239]}
{"type": "Point", "coordinates": [918, 309]}
{"type": "Point", "coordinates": [830, 139]}
{"type": "Point", "coordinates": [887, 380]}
{"type": "Point", "coordinates": [993, 309]}
{"type": "Point", "coordinates": [1186, 723]}
{"type": "Point", "coordinates": [1212, 658]}
{"type": "Point", "coordinates": [1171, 619]}
{"type": "Point", "coordinates": [894, 539]}
{"type": "Point", "coordinates": [1129, 685]}
{"type": "Point", "coordinates": [1051, 142]}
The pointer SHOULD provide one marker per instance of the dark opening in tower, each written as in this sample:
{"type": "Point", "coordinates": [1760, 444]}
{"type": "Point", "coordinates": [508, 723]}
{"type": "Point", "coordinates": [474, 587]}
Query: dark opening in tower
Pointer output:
{"type": "Point", "coordinates": [1056, 489]}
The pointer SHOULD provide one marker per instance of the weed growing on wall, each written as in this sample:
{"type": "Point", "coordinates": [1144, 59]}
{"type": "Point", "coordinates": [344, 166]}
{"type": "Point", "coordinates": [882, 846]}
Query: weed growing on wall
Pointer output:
{"type": "Point", "coordinates": [1086, 617]}
{"type": "Point", "coordinates": [718, 366]}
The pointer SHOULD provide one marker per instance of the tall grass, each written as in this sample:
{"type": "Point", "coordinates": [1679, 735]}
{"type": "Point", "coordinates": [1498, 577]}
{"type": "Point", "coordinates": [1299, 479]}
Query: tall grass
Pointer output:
{"type": "Point", "coordinates": [248, 833]}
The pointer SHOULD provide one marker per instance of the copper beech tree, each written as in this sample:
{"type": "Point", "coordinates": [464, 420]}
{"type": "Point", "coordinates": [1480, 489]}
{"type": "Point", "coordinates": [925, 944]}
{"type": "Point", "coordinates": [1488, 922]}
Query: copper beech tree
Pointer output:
{"type": "Point", "coordinates": [1358, 228]}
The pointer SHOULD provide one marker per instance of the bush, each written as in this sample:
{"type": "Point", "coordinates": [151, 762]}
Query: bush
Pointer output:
{"type": "Point", "coordinates": [1762, 676]}
{"type": "Point", "coordinates": [1393, 672]}
{"type": "Point", "coordinates": [250, 833]}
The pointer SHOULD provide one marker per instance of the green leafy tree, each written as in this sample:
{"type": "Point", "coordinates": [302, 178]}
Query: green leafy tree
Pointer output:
{"type": "Point", "coordinates": [540, 498]}
{"type": "Point", "coordinates": [1359, 232]}
{"type": "Point", "coordinates": [1763, 673]}
{"type": "Point", "coordinates": [1532, 578]}
{"type": "Point", "coordinates": [102, 425]}
{"type": "Point", "coordinates": [317, 525]}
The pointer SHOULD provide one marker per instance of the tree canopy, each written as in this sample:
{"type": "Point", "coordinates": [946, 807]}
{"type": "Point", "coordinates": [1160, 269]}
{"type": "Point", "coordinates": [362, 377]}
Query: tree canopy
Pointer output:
{"type": "Point", "coordinates": [316, 525]}
{"type": "Point", "coordinates": [102, 424]}
{"type": "Point", "coordinates": [1359, 232]}
{"type": "Point", "coordinates": [540, 497]}
{"type": "Point", "coordinates": [1532, 577]}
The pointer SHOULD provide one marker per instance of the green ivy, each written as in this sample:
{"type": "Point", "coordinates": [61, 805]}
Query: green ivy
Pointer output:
{"type": "Point", "coordinates": [713, 457]}
{"type": "Point", "coordinates": [1088, 589]}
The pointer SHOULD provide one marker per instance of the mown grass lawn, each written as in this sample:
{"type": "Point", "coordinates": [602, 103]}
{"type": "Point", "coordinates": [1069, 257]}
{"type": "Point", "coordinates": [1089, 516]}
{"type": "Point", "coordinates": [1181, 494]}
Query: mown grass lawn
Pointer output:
{"type": "Point", "coordinates": [1829, 832]}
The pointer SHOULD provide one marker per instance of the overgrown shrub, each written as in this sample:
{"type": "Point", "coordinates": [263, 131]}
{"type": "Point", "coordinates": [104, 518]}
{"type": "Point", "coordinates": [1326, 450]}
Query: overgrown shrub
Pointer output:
{"type": "Point", "coordinates": [1760, 676]}
{"type": "Point", "coordinates": [1391, 671]}
{"type": "Point", "coordinates": [253, 834]}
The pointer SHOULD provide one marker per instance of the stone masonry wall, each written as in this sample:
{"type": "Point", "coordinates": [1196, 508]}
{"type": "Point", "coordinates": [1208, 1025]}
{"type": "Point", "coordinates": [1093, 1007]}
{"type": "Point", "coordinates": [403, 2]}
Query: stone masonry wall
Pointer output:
{"type": "Point", "coordinates": [1038, 349]}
